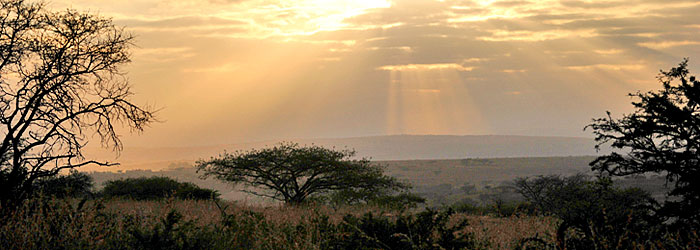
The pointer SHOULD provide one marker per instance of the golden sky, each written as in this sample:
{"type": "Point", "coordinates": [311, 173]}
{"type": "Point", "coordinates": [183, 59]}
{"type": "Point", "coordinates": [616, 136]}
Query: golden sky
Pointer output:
{"type": "Point", "coordinates": [231, 71]}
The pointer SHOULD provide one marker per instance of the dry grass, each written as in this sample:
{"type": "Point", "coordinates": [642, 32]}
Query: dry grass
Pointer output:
{"type": "Point", "coordinates": [501, 232]}
{"type": "Point", "coordinates": [209, 212]}
{"type": "Point", "coordinates": [505, 232]}
{"type": "Point", "coordinates": [66, 222]}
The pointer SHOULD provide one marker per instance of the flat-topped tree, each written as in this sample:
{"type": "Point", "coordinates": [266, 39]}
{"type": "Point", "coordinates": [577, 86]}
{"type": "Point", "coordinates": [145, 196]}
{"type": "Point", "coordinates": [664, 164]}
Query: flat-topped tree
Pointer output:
{"type": "Point", "coordinates": [291, 173]}
{"type": "Point", "coordinates": [60, 84]}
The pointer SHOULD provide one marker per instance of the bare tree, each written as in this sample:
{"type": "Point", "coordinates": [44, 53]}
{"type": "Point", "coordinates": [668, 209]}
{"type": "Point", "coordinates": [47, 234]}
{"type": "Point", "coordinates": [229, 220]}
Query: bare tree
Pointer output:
{"type": "Point", "coordinates": [60, 84]}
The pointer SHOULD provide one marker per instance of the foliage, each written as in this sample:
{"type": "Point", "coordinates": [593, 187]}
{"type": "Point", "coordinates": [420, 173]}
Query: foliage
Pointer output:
{"type": "Point", "coordinates": [661, 136]}
{"type": "Point", "coordinates": [49, 223]}
{"type": "Point", "coordinates": [75, 184]}
{"type": "Point", "coordinates": [290, 173]}
{"type": "Point", "coordinates": [425, 230]}
{"type": "Point", "coordinates": [397, 202]}
{"type": "Point", "coordinates": [60, 81]}
{"type": "Point", "coordinates": [380, 198]}
{"type": "Point", "coordinates": [593, 213]}
{"type": "Point", "coordinates": [156, 188]}
{"type": "Point", "coordinates": [171, 233]}
{"type": "Point", "coordinates": [498, 208]}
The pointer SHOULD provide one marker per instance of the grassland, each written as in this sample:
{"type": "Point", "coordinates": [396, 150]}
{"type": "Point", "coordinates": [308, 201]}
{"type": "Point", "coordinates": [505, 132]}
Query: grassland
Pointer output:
{"type": "Point", "coordinates": [441, 182]}
{"type": "Point", "coordinates": [119, 224]}
{"type": "Point", "coordinates": [249, 223]}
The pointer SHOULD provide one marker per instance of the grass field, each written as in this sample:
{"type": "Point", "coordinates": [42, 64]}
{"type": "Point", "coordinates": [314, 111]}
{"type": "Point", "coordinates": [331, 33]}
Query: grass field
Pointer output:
{"type": "Point", "coordinates": [105, 223]}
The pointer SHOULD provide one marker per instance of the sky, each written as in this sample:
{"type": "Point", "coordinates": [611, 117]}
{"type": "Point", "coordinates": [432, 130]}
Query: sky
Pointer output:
{"type": "Point", "coordinates": [232, 71]}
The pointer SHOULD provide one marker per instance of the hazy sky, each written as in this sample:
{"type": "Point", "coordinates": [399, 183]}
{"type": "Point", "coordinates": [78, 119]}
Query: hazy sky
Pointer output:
{"type": "Point", "coordinates": [229, 71]}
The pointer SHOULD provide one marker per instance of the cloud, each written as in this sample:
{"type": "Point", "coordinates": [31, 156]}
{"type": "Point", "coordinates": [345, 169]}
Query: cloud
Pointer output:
{"type": "Point", "coordinates": [425, 67]}
{"type": "Point", "coordinates": [298, 68]}
{"type": "Point", "coordinates": [668, 44]}
{"type": "Point", "coordinates": [615, 67]}
{"type": "Point", "coordinates": [228, 67]}
{"type": "Point", "coordinates": [163, 54]}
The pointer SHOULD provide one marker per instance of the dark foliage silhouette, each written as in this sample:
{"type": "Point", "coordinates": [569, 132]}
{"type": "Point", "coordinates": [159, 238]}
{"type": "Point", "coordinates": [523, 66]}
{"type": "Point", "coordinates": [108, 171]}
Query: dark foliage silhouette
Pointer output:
{"type": "Point", "coordinates": [155, 188]}
{"type": "Point", "coordinates": [425, 230]}
{"type": "Point", "coordinates": [594, 214]}
{"type": "Point", "coordinates": [661, 136]}
{"type": "Point", "coordinates": [75, 184]}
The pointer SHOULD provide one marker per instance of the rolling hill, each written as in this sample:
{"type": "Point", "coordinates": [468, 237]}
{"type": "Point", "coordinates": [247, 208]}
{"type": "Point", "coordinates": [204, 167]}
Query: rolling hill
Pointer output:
{"type": "Point", "coordinates": [379, 148]}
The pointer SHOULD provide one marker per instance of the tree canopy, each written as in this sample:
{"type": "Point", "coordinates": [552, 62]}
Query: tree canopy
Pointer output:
{"type": "Point", "coordinates": [60, 84]}
{"type": "Point", "coordinates": [291, 173]}
{"type": "Point", "coordinates": [661, 136]}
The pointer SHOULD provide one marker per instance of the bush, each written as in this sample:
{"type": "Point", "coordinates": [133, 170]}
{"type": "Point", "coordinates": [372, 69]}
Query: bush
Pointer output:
{"type": "Point", "coordinates": [425, 230]}
{"type": "Point", "coordinates": [498, 208]}
{"type": "Point", "coordinates": [379, 198]}
{"type": "Point", "coordinates": [594, 214]}
{"type": "Point", "coordinates": [171, 233]}
{"type": "Point", "coordinates": [75, 185]}
{"type": "Point", "coordinates": [156, 188]}
{"type": "Point", "coordinates": [397, 202]}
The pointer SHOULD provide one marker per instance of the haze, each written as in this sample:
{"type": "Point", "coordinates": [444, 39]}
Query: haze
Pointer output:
{"type": "Point", "coordinates": [227, 71]}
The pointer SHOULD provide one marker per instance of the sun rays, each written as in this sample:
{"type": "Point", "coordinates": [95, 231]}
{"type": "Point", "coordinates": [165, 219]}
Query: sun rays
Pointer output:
{"type": "Point", "coordinates": [430, 99]}
{"type": "Point", "coordinates": [262, 69]}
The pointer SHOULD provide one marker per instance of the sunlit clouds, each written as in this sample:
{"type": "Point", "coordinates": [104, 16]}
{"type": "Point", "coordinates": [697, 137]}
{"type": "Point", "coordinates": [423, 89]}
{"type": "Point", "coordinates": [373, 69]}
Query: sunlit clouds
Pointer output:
{"type": "Point", "coordinates": [425, 67]}
{"type": "Point", "coordinates": [229, 71]}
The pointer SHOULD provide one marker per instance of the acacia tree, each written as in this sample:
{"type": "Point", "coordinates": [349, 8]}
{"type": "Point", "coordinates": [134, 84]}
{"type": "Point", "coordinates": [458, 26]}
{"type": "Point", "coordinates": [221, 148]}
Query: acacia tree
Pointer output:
{"type": "Point", "coordinates": [60, 84]}
{"type": "Point", "coordinates": [290, 173]}
{"type": "Point", "coordinates": [661, 136]}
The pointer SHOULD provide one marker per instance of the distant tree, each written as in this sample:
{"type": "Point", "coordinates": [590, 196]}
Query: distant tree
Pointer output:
{"type": "Point", "coordinates": [153, 188]}
{"type": "Point", "coordinates": [290, 173]}
{"type": "Point", "coordinates": [661, 136]}
{"type": "Point", "coordinates": [60, 84]}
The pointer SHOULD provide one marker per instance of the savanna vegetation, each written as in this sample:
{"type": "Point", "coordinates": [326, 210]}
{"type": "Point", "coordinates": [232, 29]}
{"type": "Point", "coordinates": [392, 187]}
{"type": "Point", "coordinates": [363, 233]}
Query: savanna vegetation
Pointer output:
{"type": "Point", "coordinates": [60, 79]}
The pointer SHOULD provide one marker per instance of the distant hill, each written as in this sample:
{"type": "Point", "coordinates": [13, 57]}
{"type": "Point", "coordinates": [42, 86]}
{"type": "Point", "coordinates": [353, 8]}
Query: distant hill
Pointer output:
{"type": "Point", "coordinates": [379, 148]}
{"type": "Point", "coordinates": [424, 175]}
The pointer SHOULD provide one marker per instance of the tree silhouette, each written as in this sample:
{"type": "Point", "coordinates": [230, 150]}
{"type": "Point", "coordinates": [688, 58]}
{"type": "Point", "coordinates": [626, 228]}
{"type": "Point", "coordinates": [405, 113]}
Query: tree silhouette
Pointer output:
{"type": "Point", "coordinates": [290, 173]}
{"type": "Point", "coordinates": [60, 84]}
{"type": "Point", "coordinates": [661, 136]}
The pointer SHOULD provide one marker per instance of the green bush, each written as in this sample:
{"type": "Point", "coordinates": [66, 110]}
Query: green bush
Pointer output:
{"type": "Point", "coordinates": [156, 188]}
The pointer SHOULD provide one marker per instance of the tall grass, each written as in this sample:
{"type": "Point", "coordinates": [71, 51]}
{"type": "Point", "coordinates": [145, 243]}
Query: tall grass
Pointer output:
{"type": "Point", "coordinates": [49, 223]}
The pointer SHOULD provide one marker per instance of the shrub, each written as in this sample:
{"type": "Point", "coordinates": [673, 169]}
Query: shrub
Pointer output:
{"type": "Point", "coordinates": [380, 198]}
{"type": "Point", "coordinates": [171, 233]}
{"type": "Point", "coordinates": [425, 230]}
{"type": "Point", "coordinates": [398, 201]}
{"type": "Point", "coordinates": [75, 184]}
{"type": "Point", "coordinates": [594, 214]}
{"type": "Point", "coordinates": [498, 208]}
{"type": "Point", "coordinates": [156, 188]}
